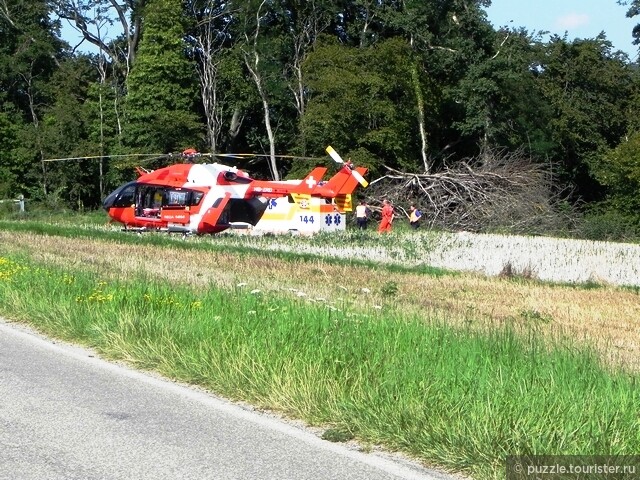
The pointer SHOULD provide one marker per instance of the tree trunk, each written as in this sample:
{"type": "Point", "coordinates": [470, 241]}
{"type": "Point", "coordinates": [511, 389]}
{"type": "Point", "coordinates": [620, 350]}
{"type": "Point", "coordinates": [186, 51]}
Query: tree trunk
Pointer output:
{"type": "Point", "coordinates": [267, 119]}
{"type": "Point", "coordinates": [252, 60]}
{"type": "Point", "coordinates": [36, 128]}
{"type": "Point", "coordinates": [234, 127]}
{"type": "Point", "coordinates": [209, 50]}
{"type": "Point", "coordinates": [421, 121]}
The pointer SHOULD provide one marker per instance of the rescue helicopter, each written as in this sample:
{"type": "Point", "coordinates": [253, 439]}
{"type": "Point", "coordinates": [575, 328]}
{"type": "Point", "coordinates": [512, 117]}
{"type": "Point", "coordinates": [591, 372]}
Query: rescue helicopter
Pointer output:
{"type": "Point", "coordinates": [207, 198]}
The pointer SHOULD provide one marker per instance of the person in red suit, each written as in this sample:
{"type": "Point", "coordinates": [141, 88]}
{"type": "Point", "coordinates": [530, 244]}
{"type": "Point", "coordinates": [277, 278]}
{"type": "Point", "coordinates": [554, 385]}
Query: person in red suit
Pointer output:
{"type": "Point", "coordinates": [387, 217]}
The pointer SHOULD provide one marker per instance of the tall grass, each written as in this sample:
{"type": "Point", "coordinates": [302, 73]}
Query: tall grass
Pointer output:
{"type": "Point", "coordinates": [450, 397]}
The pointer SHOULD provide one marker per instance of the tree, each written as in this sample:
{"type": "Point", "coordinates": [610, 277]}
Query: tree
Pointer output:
{"type": "Point", "coordinates": [265, 75]}
{"type": "Point", "coordinates": [306, 20]}
{"type": "Point", "coordinates": [29, 52]}
{"type": "Point", "coordinates": [589, 87]}
{"type": "Point", "coordinates": [210, 40]}
{"type": "Point", "coordinates": [633, 11]}
{"type": "Point", "coordinates": [451, 39]}
{"type": "Point", "coordinates": [9, 167]}
{"type": "Point", "coordinates": [619, 171]}
{"type": "Point", "coordinates": [66, 124]}
{"type": "Point", "coordinates": [362, 100]}
{"type": "Point", "coordinates": [502, 101]}
{"type": "Point", "coordinates": [162, 86]}
{"type": "Point", "coordinates": [96, 19]}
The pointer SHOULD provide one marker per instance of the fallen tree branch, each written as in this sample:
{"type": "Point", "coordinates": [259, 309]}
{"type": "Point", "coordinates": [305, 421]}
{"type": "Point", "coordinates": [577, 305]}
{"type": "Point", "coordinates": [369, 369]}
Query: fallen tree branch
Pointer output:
{"type": "Point", "coordinates": [496, 190]}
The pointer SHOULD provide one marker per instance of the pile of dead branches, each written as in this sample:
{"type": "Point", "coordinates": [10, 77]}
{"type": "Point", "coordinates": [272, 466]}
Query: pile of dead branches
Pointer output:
{"type": "Point", "coordinates": [498, 190]}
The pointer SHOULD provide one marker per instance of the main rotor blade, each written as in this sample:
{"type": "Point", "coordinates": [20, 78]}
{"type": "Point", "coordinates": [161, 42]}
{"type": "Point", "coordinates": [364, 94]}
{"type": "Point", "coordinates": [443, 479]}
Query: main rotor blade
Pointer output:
{"type": "Point", "coordinates": [103, 156]}
{"type": "Point", "coordinates": [261, 155]}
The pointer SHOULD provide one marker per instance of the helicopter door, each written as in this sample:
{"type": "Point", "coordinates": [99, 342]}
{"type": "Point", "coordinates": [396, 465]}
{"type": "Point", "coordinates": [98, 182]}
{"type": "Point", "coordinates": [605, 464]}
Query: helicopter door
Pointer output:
{"type": "Point", "coordinates": [149, 202]}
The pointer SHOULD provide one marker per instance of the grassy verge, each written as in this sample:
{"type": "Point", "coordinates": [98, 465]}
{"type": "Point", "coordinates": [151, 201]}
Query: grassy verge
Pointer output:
{"type": "Point", "coordinates": [447, 396]}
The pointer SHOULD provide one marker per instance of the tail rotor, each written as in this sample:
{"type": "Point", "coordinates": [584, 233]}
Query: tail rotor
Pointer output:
{"type": "Point", "coordinates": [338, 159]}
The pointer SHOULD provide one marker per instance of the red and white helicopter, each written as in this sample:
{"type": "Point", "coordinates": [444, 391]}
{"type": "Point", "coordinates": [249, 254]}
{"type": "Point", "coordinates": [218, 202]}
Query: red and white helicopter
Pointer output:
{"type": "Point", "coordinates": [196, 198]}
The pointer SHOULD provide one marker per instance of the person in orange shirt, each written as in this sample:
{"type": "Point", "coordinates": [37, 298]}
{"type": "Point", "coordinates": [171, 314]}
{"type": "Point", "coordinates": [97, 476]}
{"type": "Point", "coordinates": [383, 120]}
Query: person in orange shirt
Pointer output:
{"type": "Point", "coordinates": [387, 217]}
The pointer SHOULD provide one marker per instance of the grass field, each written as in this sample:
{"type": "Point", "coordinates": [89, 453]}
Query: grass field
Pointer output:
{"type": "Point", "coordinates": [456, 370]}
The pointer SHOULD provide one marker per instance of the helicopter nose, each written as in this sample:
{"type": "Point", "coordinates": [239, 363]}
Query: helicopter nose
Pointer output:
{"type": "Point", "coordinates": [110, 200]}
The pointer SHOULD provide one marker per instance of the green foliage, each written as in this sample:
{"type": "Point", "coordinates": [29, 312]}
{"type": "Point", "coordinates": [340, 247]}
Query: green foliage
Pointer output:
{"type": "Point", "coordinates": [162, 86]}
{"type": "Point", "coordinates": [9, 168]}
{"type": "Point", "coordinates": [620, 172]}
{"type": "Point", "coordinates": [28, 51]}
{"type": "Point", "coordinates": [29, 57]}
{"type": "Point", "coordinates": [604, 222]}
{"type": "Point", "coordinates": [588, 87]}
{"type": "Point", "coordinates": [337, 435]}
{"type": "Point", "coordinates": [633, 11]}
{"type": "Point", "coordinates": [534, 316]}
{"type": "Point", "coordinates": [65, 131]}
{"type": "Point", "coordinates": [355, 104]}
{"type": "Point", "coordinates": [390, 289]}
{"type": "Point", "coordinates": [238, 97]}
{"type": "Point", "coordinates": [502, 102]}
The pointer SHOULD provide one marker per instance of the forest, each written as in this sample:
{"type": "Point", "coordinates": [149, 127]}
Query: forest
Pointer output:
{"type": "Point", "coordinates": [487, 128]}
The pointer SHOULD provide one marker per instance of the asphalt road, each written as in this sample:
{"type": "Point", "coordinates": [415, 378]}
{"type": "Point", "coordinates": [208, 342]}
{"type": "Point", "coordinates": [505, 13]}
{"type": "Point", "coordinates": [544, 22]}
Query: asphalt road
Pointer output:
{"type": "Point", "coordinates": [66, 414]}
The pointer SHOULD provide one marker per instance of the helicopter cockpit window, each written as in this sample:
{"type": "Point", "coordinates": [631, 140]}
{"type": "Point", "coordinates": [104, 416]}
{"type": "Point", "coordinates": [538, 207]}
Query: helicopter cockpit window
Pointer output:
{"type": "Point", "coordinates": [126, 197]}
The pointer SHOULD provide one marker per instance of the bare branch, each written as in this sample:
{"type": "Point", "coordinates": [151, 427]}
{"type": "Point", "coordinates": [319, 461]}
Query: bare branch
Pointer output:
{"type": "Point", "coordinates": [501, 45]}
{"type": "Point", "coordinates": [252, 60]}
{"type": "Point", "coordinates": [497, 189]}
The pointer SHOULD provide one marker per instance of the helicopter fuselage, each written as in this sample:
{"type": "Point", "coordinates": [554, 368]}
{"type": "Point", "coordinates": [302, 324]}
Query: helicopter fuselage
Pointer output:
{"type": "Point", "coordinates": [187, 198]}
{"type": "Point", "coordinates": [209, 198]}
